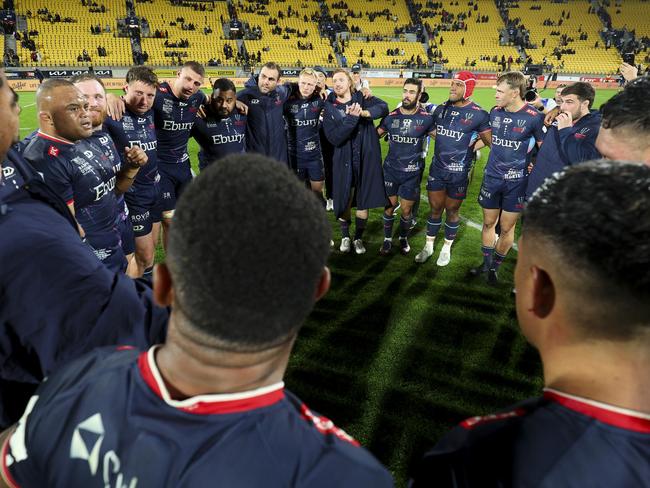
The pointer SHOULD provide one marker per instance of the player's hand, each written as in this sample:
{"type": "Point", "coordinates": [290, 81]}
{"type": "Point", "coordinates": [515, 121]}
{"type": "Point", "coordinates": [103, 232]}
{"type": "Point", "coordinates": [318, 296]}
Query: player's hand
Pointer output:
{"type": "Point", "coordinates": [136, 156]}
{"type": "Point", "coordinates": [242, 107]}
{"type": "Point", "coordinates": [628, 71]}
{"type": "Point", "coordinates": [354, 110]}
{"type": "Point", "coordinates": [530, 168]}
{"type": "Point", "coordinates": [115, 106]}
{"type": "Point", "coordinates": [201, 112]}
{"type": "Point", "coordinates": [550, 116]}
{"type": "Point", "coordinates": [366, 92]}
{"type": "Point", "coordinates": [564, 120]}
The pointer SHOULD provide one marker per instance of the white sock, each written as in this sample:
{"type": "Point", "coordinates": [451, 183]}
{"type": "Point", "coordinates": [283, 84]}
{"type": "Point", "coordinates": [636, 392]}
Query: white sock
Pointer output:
{"type": "Point", "coordinates": [428, 245]}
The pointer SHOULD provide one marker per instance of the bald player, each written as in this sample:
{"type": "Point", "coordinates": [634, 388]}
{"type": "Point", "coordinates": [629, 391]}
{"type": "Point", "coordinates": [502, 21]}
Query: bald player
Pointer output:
{"type": "Point", "coordinates": [79, 173]}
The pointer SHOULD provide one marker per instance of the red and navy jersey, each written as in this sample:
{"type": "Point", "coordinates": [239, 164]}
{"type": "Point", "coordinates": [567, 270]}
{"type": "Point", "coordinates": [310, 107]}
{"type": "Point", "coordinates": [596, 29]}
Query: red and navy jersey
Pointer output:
{"type": "Point", "coordinates": [302, 116]}
{"type": "Point", "coordinates": [555, 440]}
{"type": "Point", "coordinates": [108, 420]}
{"type": "Point", "coordinates": [219, 137]}
{"type": "Point", "coordinates": [456, 130]}
{"type": "Point", "coordinates": [137, 130]}
{"type": "Point", "coordinates": [82, 174]}
{"type": "Point", "coordinates": [512, 134]}
{"type": "Point", "coordinates": [406, 136]}
{"type": "Point", "coordinates": [174, 119]}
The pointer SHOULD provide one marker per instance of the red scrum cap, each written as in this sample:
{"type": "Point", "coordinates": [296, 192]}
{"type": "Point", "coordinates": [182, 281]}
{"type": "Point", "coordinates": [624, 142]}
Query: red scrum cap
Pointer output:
{"type": "Point", "coordinates": [468, 79]}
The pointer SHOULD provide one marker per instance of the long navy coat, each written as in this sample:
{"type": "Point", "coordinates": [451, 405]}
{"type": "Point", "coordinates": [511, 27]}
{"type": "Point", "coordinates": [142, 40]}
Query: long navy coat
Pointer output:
{"type": "Point", "coordinates": [357, 154]}
{"type": "Point", "coordinates": [265, 129]}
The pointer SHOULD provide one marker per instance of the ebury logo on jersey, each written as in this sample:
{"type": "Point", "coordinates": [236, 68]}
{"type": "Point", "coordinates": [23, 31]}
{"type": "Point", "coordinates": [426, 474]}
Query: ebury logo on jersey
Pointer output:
{"type": "Point", "coordinates": [87, 440]}
{"type": "Point", "coordinates": [86, 444]}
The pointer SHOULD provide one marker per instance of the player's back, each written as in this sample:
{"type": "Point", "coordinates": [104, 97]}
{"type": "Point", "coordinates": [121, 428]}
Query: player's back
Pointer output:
{"type": "Point", "coordinates": [108, 418]}
{"type": "Point", "coordinates": [556, 440]}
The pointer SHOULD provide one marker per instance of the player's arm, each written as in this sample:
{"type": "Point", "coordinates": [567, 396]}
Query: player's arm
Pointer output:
{"type": "Point", "coordinates": [115, 106]}
{"type": "Point", "coordinates": [575, 149]}
{"type": "Point", "coordinates": [380, 132]}
{"type": "Point", "coordinates": [374, 108]}
{"type": "Point", "coordinates": [486, 138]}
{"type": "Point", "coordinates": [550, 116]}
{"type": "Point", "coordinates": [338, 131]}
{"type": "Point", "coordinates": [134, 159]}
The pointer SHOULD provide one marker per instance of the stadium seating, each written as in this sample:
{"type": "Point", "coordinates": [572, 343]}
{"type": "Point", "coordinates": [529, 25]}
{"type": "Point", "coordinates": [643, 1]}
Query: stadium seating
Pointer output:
{"type": "Point", "coordinates": [273, 47]}
{"type": "Point", "coordinates": [382, 25]}
{"type": "Point", "coordinates": [587, 58]}
{"type": "Point", "coordinates": [61, 42]}
{"type": "Point", "coordinates": [635, 17]}
{"type": "Point", "coordinates": [481, 39]}
{"type": "Point", "coordinates": [381, 59]}
{"type": "Point", "coordinates": [162, 15]}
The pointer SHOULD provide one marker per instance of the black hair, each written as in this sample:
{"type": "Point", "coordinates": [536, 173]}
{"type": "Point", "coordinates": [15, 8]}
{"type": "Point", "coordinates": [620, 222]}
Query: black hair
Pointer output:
{"type": "Point", "coordinates": [81, 77]}
{"type": "Point", "coordinates": [194, 66]}
{"type": "Point", "coordinates": [49, 85]}
{"type": "Point", "coordinates": [246, 252]}
{"type": "Point", "coordinates": [414, 81]}
{"type": "Point", "coordinates": [224, 84]}
{"type": "Point", "coordinates": [595, 219]}
{"type": "Point", "coordinates": [629, 108]}
{"type": "Point", "coordinates": [142, 73]}
{"type": "Point", "coordinates": [582, 90]}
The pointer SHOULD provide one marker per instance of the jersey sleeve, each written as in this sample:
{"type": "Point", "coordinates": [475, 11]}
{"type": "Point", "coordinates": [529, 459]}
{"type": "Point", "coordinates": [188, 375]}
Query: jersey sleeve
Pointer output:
{"type": "Point", "coordinates": [60, 176]}
{"type": "Point", "coordinates": [385, 123]}
{"type": "Point", "coordinates": [376, 106]}
{"type": "Point", "coordinates": [538, 132]}
{"type": "Point", "coordinates": [338, 132]}
{"type": "Point", "coordinates": [484, 125]}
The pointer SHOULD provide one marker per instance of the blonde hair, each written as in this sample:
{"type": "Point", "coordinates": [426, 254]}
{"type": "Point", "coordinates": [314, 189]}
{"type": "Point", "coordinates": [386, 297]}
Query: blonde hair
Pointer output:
{"type": "Point", "coordinates": [308, 72]}
{"type": "Point", "coordinates": [353, 87]}
{"type": "Point", "coordinates": [516, 80]}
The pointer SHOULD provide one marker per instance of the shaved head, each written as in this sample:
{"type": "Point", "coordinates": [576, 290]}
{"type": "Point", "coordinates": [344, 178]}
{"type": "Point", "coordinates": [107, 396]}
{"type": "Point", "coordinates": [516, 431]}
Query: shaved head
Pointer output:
{"type": "Point", "coordinates": [62, 110]}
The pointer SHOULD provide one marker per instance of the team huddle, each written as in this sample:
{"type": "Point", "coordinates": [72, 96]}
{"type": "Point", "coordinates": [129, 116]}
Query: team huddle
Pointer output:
{"type": "Point", "coordinates": [110, 381]}
{"type": "Point", "coordinates": [121, 175]}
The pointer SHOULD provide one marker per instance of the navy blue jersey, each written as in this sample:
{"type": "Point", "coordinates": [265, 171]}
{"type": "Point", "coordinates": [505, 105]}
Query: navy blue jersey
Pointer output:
{"type": "Point", "coordinates": [108, 420]}
{"type": "Point", "coordinates": [456, 130]}
{"type": "Point", "coordinates": [174, 119]}
{"type": "Point", "coordinates": [556, 440]}
{"type": "Point", "coordinates": [266, 126]}
{"type": "Point", "coordinates": [81, 174]}
{"type": "Point", "coordinates": [219, 137]}
{"type": "Point", "coordinates": [137, 130]}
{"type": "Point", "coordinates": [566, 147]}
{"type": "Point", "coordinates": [406, 136]}
{"type": "Point", "coordinates": [303, 136]}
{"type": "Point", "coordinates": [81, 304]}
{"type": "Point", "coordinates": [511, 137]}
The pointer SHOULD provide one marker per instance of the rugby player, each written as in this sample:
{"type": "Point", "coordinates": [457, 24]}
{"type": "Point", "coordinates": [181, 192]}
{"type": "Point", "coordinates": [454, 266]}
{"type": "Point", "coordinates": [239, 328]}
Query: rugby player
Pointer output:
{"type": "Point", "coordinates": [406, 129]}
{"type": "Point", "coordinates": [134, 157]}
{"type": "Point", "coordinates": [457, 122]}
{"type": "Point", "coordinates": [80, 173]}
{"type": "Point", "coordinates": [583, 301]}
{"type": "Point", "coordinates": [136, 129]}
{"type": "Point", "coordinates": [516, 127]}
{"type": "Point", "coordinates": [223, 130]}
{"type": "Point", "coordinates": [572, 137]}
{"type": "Point", "coordinates": [325, 146]}
{"type": "Point", "coordinates": [265, 98]}
{"type": "Point", "coordinates": [357, 174]}
{"type": "Point", "coordinates": [625, 128]}
{"type": "Point", "coordinates": [208, 407]}
{"type": "Point", "coordinates": [302, 112]}
{"type": "Point", "coordinates": [175, 107]}
{"type": "Point", "coordinates": [58, 300]}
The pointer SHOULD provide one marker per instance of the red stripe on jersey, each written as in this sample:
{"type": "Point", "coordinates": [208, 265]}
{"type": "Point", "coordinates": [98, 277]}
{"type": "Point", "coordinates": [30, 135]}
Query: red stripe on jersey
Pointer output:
{"type": "Point", "coordinates": [6, 474]}
{"type": "Point", "coordinates": [52, 138]}
{"type": "Point", "coordinates": [326, 426]}
{"type": "Point", "coordinates": [472, 422]}
{"type": "Point", "coordinates": [607, 414]}
{"type": "Point", "coordinates": [212, 404]}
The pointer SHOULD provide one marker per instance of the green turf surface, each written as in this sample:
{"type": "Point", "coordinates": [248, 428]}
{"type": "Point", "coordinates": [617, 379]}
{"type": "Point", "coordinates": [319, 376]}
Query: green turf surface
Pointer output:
{"type": "Point", "coordinates": [397, 353]}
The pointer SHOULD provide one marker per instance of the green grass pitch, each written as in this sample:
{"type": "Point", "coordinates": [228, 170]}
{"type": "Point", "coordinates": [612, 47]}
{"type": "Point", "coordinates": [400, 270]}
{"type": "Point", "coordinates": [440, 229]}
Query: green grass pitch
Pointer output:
{"type": "Point", "coordinates": [397, 352]}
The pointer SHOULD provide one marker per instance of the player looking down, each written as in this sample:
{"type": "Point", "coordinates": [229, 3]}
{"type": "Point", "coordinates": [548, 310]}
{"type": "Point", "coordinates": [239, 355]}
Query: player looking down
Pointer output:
{"type": "Point", "coordinates": [209, 405]}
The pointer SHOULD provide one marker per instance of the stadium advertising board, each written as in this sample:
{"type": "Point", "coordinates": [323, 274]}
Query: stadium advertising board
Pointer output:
{"type": "Point", "coordinates": [67, 73]}
{"type": "Point", "coordinates": [290, 72]}
{"type": "Point", "coordinates": [209, 73]}
{"type": "Point", "coordinates": [381, 74]}
{"type": "Point", "coordinates": [427, 74]}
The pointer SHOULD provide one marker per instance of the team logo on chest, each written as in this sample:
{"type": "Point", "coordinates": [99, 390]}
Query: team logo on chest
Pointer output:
{"type": "Point", "coordinates": [406, 126]}
{"type": "Point", "coordinates": [521, 126]}
{"type": "Point", "coordinates": [467, 119]}
{"type": "Point", "coordinates": [168, 106]}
